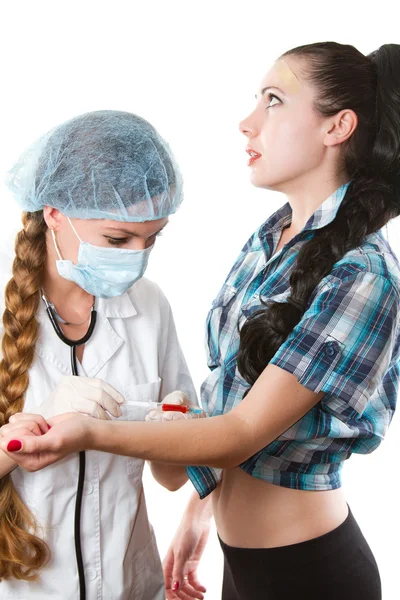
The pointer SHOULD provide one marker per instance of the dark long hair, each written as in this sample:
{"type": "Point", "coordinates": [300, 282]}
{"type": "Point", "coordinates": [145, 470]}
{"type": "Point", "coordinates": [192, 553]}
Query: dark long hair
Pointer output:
{"type": "Point", "coordinates": [370, 86]}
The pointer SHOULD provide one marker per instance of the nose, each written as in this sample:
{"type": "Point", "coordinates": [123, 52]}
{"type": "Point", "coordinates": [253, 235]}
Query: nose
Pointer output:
{"type": "Point", "coordinates": [248, 126]}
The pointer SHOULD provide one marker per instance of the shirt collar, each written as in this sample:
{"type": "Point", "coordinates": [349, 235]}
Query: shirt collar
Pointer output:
{"type": "Point", "coordinates": [324, 214]}
{"type": "Point", "coordinates": [327, 212]}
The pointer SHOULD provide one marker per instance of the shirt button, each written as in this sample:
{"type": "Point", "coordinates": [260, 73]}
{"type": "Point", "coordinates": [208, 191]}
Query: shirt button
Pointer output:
{"type": "Point", "coordinates": [91, 574]}
{"type": "Point", "coordinates": [330, 351]}
{"type": "Point", "coordinates": [87, 488]}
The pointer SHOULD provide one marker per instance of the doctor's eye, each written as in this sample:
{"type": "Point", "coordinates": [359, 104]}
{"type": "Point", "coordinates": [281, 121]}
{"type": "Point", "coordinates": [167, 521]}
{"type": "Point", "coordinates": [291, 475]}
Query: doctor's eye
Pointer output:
{"type": "Point", "coordinates": [116, 241]}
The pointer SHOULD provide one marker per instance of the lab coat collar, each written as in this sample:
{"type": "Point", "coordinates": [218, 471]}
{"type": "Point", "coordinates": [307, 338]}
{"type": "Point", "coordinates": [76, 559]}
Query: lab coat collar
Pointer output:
{"type": "Point", "coordinates": [103, 344]}
{"type": "Point", "coordinates": [120, 307]}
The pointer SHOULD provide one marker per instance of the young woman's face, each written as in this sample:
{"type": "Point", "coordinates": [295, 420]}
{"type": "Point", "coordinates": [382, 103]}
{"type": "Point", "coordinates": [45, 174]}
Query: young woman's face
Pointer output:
{"type": "Point", "coordinates": [104, 233]}
{"type": "Point", "coordinates": [285, 134]}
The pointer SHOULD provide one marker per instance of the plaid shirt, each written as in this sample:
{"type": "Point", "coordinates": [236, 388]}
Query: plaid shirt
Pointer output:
{"type": "Point", "coordinates": [346, 345]}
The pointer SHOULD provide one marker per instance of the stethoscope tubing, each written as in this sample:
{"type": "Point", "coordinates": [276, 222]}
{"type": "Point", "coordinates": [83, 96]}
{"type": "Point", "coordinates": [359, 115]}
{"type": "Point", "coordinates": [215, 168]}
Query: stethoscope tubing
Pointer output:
{"type": "Point", "coordinates": [73, 344]}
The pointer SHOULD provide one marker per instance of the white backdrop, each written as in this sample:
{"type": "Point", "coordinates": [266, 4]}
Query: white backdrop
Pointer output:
{"type": "Point", "coordinates": [192, 70]}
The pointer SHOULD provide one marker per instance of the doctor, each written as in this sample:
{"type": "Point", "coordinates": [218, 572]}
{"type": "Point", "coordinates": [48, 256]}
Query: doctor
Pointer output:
{"type": "Point", "coordinates": [96, 192]}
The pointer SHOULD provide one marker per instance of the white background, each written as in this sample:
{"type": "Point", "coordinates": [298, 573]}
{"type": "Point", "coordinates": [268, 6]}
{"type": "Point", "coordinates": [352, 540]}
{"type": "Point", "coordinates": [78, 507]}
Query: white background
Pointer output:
{"type": "Point", "coordinates": [192, 70]}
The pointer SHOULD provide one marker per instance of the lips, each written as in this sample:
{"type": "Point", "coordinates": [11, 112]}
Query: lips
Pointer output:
{"type": "Point", "coordinates": [253, 156]}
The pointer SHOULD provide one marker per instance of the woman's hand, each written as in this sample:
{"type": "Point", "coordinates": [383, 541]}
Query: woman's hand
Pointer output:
{"type": "Point", "coordinates": [182, 560]}
{"type": "Point", "coordinates": [33, 445]}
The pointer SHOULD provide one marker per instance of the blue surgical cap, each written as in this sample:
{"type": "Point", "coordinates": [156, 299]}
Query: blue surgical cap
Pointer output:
{"type": "Point", "coordinates": [101, 165]}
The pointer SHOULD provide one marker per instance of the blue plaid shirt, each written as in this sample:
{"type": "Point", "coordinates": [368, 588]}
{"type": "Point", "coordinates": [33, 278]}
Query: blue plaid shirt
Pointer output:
{"type": "Point", "coordinates": [346, 345]}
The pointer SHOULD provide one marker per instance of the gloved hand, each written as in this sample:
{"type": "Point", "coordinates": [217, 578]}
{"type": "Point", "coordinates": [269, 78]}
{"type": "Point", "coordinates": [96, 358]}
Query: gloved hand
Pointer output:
{"type": "Point", "coordinates": [85, 395]}
{"type": "Point", "coordinates": [176, 397]}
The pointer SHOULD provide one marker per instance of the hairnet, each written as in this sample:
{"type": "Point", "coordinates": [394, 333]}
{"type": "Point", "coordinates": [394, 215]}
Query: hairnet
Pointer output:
{"type": "Point", "coordinates": [100, 165]}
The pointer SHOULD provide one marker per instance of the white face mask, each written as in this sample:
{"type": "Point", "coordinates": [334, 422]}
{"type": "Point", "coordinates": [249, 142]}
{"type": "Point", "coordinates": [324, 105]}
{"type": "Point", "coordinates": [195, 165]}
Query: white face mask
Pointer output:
{"type": "Point", "coordinates": [103, 272]}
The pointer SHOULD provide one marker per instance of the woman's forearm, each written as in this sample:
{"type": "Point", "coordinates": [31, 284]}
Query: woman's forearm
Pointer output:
{"type": "Point", "coordinates": [6, 464]}
{"type": "Point", "coordinates": [276, 401]}
{"type": "Point", "coordinates": [197, 509]}
{"type": "Point", "coordinates": [217, 441]}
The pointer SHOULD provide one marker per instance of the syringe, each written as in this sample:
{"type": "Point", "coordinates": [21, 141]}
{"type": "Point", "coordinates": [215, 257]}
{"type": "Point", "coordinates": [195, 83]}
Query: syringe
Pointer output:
{"type": "Point", "coordinates": [182, 408]}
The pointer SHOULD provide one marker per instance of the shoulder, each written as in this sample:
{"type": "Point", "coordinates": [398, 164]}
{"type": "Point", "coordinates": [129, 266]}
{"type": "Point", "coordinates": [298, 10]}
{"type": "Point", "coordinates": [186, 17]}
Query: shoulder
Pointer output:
{"type": "Point", "coordinates": [372, 260]}
{"type": "Point", "coordinates": [368, 275]}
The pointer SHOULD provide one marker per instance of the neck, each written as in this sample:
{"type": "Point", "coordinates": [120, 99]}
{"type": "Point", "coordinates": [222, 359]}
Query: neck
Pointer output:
{"type": "Point", "coordinates": [305, 197]}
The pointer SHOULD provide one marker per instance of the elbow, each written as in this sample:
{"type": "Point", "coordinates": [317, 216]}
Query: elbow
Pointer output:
{"type": "Point", "coordinates": [170, 477]}
{"type": "Point", "coordinates": [237, 448]}
{"type": "Point", "coordinates": [173, 486]}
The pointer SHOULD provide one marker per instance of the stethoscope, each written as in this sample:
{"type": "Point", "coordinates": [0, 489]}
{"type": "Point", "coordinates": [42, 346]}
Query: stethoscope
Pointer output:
{"type": "Point", "coordinates": [73, 344]}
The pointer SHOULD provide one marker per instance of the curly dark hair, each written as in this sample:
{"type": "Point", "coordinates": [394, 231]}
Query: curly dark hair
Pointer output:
{"type": "Point", "coordinates": [370, 86]}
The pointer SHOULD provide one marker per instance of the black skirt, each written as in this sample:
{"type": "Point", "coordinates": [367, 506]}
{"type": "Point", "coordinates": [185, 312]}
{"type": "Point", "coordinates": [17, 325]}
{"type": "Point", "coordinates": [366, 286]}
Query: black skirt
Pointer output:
{"type": "Point", "coordinates": [336, 566]}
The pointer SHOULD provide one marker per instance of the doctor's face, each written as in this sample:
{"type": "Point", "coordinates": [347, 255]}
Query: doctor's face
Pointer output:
{"type": "Point", "coordinates": [101, 232]}
{"type": "Point", "coordinates": [284, 132]}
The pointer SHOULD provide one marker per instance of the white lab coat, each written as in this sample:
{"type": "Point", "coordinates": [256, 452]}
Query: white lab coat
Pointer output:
{"type": "Point", "coordinates": [134, 348]}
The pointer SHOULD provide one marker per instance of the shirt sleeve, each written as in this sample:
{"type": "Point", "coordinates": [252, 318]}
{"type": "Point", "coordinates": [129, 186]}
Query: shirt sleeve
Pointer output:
{"type": "Point", "coordinates": [174, 371]}
{"type": "Point", "coordinates": [344, 343]}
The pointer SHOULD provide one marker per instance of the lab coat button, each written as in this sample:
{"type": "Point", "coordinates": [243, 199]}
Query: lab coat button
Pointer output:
{"type": "Point", "coordinates": [87, 488]}
{"type": "Point", "coordinates": [91, 574]}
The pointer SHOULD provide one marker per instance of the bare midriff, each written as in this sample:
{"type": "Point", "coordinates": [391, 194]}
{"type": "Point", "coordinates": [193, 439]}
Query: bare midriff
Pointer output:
{"type": "Point", "coordinates": [253, 513]}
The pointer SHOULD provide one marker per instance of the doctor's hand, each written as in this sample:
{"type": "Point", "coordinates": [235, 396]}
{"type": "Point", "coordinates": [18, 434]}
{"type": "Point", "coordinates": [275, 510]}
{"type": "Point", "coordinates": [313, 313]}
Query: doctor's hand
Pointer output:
{"type": "Point", "coordinates": [177, 398]}
{"type": "Point", "coordinates": [86, 395]}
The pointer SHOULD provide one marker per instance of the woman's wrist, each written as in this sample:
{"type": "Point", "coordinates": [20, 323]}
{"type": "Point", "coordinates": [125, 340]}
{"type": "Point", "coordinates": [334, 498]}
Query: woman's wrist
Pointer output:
{"type": "Point", "coordinates": [7, 464]}
{"type": "Point", "coordinates": [92, 433]}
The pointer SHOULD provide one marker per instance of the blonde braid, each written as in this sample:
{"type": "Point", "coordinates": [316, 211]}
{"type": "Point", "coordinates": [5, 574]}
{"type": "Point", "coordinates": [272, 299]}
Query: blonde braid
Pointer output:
{"type": "Point", "coordinates": [21, 552]}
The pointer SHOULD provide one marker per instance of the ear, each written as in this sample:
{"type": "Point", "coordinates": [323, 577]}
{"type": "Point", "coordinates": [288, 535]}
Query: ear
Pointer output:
{"type": "Point", "coordinates": [340, 127]}
{"type": "Point", "coordinates": [53, 217]}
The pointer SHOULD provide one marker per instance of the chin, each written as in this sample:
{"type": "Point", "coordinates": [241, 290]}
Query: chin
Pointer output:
{"type": "Point", "coordinates": [265, 184]}
{"type": "Point", "coordinates": [262, 179]}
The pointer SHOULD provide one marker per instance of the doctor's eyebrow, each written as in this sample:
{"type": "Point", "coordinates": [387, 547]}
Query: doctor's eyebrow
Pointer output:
{"type": "Point", "coordinates": [131, 233]}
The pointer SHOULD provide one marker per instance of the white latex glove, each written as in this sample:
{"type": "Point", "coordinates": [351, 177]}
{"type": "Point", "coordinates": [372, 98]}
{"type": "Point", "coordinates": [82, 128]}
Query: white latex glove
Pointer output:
{"type": "Point", "coordinates": [85, 395]}
{"type": "Point", "coordinates": [176, 397]}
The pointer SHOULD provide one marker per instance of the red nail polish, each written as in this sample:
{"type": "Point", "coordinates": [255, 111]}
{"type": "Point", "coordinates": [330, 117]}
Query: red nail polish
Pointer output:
{"type": "Point", "coordinates": [14, 446]}
{"type": "Point", "coordinates": [175, 587]}
{"type": "Point", "coordinates": [49, 426]}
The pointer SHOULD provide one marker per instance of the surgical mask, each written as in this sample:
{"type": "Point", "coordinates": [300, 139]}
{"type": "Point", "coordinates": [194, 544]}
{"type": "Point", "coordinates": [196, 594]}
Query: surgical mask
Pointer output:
{"type": "Point", "coordinates": [103, 272]}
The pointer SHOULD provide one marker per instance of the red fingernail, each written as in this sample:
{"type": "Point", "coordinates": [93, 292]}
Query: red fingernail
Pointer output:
{"type": "Point", "coordinates": [49, 426]}
{"type": "Point", "coordinates": [14, 446]}
{"type": "Point", "coordinates": [175, 587]}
